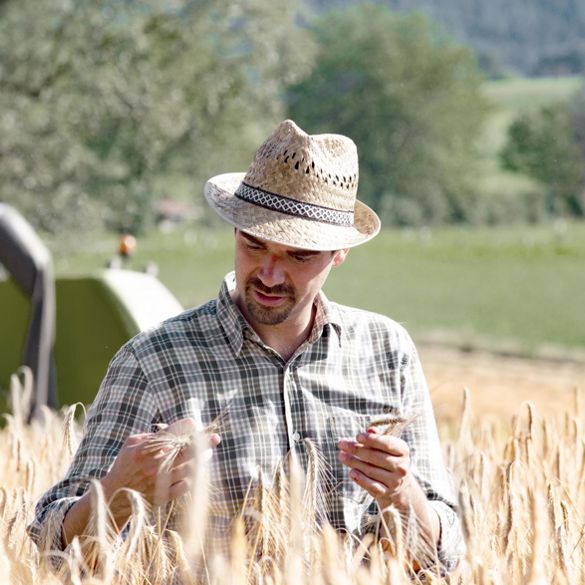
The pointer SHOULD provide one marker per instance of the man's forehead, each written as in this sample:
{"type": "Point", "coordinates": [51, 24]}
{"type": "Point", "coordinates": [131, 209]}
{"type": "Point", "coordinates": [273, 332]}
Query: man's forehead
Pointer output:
{"type": "Point", "coordinates": [268, 243]}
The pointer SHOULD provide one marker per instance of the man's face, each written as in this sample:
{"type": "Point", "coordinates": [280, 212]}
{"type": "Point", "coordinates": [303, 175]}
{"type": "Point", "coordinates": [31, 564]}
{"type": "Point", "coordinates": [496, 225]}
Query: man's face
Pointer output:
{"type": "Point", "coordinates": [276, 283]}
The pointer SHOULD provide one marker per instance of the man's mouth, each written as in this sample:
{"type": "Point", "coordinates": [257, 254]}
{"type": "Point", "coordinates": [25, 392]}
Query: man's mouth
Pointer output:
{"type": "Point", "coordinates": [269, 296]}
{"type": "Point", "coordinates": [269, 299]}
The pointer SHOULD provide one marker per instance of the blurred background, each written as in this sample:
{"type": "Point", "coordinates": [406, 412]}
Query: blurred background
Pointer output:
{"type": "Point", "coordinates": [469, 117]}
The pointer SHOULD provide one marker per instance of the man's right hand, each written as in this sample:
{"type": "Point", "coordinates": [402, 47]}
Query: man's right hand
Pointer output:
{"type": "Point", "coordinates": [140, 466]}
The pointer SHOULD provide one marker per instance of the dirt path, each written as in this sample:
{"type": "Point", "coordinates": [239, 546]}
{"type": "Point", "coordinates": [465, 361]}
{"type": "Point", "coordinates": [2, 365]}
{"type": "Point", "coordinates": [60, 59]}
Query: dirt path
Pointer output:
{"type": "Point", "coordinates": [499, 384]}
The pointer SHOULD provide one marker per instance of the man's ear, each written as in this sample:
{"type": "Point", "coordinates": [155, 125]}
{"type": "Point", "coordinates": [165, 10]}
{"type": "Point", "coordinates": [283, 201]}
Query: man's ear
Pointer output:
{"type": "Point", "coordinates": [339, 256]}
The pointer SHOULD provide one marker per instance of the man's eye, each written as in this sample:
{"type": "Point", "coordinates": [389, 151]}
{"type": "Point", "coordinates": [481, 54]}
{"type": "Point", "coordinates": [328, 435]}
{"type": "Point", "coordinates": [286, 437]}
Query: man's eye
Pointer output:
{"type": "Point", "coordinates": [300, 258]}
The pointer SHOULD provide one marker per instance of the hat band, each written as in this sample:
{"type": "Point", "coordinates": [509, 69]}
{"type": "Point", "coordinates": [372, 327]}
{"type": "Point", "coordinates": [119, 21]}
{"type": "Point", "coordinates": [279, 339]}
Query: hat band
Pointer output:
{"type": "Point", "coordinates": [293, 207]}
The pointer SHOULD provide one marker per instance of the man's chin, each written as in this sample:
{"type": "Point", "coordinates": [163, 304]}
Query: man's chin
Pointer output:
{"type": "Point", "coordinates": [266, 315]}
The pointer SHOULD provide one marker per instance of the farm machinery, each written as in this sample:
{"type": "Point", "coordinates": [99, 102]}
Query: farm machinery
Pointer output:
{"type": "Point", "coordinates": [66, 330]}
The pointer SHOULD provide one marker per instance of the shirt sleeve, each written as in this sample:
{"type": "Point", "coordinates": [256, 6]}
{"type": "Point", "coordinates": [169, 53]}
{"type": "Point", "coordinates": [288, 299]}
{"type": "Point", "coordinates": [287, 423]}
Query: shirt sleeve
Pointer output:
{"type": "Point", "coordinates": [427, 459]}
{"type": "Point", "coordinates": [123, 406]}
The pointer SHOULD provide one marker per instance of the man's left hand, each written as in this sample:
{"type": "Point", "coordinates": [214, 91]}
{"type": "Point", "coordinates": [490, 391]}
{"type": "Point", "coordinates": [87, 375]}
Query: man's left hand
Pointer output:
{"type": "Point", "coordinates": [381, 465]}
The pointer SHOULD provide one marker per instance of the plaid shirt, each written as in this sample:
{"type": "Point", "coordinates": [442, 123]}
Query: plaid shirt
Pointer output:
{"type": "Point", "coordinates": [354, 367]}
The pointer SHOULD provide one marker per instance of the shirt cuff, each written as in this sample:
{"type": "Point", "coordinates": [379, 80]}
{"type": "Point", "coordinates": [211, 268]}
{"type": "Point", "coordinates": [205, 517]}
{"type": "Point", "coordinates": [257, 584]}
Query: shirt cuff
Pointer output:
{"type": "Point", "coordinates": [451, 546]}
{"type": "Point", "coordinates": [46, 530]}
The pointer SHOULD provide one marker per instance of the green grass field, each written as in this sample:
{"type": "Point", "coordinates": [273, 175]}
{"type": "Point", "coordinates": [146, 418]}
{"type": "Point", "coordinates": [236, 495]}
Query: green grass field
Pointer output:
{"type": "Point", "coordinates": [516, 289]}
{"type": "Point", "coordinates": [517, 94]}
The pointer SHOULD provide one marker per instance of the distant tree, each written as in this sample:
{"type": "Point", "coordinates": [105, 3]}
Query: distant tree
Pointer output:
{"type": "Point", "coordinates": [577, 116]}
{"type": "Point", "coordinates": [543, 144]}
{"type": "Point", "coordinates": [98, 99]}
{"type": "Point", "coordinates": [491, 65]}
{"type": "Point", "coordinates": [409, 98]}
{"type": "Point", "coordinates": [569, 61]}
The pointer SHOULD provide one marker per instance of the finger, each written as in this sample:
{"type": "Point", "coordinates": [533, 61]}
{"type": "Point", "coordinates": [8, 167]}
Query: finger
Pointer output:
{"type": "Point", "coordinates": [186, 453]}
{"type": "Point", "coordinates": [184, 426]}
{"type": "Point", "coordinates": [390, 478]}
{"type": "Point", "coordinates": [167, 476]}
{"type": "Point", "coordinates": [179, 472]}
{"type": "Point", "coordinates": [137, 439]}
{"type": "Point", "coordinates": [189, 451]}
{"type": "Point", "coordinates": [373, 487]}
{"type": "Point", "coordinates": [386, 443]}
{"type": "Point", "coordinates": [162, 488]}
{"type": "Point", "coordinates": [179, 488]}
{"type": "Point", "coordinates": [214, 440]}
{"type": "Point", "coordinates": [375, 457]}
{"type": "Point", "coordinates": [173, 484]}
{"type": "Point", "coordinates": [155, 448]}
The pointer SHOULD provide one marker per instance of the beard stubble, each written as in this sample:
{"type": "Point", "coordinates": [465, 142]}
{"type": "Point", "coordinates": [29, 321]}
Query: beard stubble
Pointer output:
{"type": "Point", "coordinates": [269, 315]}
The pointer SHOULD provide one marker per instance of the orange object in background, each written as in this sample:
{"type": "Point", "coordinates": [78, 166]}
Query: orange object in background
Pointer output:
{"type": "Point", "coordinates": [127, 245]}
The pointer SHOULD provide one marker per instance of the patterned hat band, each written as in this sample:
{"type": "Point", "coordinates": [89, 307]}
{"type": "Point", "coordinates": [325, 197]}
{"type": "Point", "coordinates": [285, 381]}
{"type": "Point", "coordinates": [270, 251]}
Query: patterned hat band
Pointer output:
{"type": "Point", "coordinates": [293, 207]}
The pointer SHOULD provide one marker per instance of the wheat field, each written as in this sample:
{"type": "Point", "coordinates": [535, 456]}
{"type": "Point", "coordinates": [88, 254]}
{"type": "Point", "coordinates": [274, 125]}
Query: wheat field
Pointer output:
{"type": "Point", "coordinates": [522, 501]}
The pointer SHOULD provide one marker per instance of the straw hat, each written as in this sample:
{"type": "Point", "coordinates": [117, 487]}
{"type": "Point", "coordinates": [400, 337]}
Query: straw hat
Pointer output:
{"type": "Point", "coordinates": [299, 191]}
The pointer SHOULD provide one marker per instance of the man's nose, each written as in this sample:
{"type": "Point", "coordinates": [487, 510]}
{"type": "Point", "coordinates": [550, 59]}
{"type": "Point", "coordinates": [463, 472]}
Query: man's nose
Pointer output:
{"type": "Point", "coordinates": [271, 272]}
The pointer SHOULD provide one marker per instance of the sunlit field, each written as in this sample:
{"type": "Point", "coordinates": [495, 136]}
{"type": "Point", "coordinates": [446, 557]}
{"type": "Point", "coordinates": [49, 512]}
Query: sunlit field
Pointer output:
{"type": "Point", "coordinates": [522, 499]}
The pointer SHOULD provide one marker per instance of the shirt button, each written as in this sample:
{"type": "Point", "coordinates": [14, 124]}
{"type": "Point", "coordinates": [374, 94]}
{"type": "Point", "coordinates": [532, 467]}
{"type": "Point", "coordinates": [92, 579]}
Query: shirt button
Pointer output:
{"type": "Point", "coordinates": [296, 436]}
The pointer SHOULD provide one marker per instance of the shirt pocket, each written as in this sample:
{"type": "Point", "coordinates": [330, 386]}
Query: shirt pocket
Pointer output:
{"type": "Point", "coordinates": [349, 502]}
{"type": "Point", "coordinates": [346, 426]}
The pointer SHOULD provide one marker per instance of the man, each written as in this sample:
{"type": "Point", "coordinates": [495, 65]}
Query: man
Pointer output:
{"type": "Point", "coordinates": [277, 363]}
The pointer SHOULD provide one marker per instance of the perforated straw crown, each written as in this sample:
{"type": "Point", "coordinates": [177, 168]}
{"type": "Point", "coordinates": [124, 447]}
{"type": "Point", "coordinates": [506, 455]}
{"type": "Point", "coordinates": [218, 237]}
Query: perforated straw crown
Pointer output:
{"type": "Point", "coordinates": [299, 191]}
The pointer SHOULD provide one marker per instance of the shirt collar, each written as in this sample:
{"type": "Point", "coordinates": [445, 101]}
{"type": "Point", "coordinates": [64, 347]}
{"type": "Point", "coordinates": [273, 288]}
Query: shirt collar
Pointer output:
{"type": "Point", "coordinates": [229, 316]}
{"type": "Point", "coordinates": [237, 328]}
{"type": "Point", "coordinates": [326, 316]}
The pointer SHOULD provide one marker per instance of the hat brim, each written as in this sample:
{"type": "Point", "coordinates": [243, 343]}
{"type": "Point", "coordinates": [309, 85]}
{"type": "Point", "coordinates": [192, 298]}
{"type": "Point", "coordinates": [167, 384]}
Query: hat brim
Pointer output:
{"type": "Point", "coordinates": [283, 228]}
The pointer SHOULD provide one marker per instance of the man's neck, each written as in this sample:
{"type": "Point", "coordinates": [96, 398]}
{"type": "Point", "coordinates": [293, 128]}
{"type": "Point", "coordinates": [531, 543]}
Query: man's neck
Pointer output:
{"type": "Point", "coordinates": [286, 338]}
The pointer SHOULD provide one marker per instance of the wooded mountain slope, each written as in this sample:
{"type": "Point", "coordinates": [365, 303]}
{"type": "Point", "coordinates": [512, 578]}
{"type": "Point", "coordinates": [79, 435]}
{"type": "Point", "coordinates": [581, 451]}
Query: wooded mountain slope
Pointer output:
{"type": "Point", "coordinates": [532, 37]}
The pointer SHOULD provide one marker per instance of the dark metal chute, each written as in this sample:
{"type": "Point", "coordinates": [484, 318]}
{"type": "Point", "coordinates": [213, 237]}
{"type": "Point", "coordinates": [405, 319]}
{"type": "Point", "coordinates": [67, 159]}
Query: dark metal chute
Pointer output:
{"type": "Point", "coordinates": [27, 259]}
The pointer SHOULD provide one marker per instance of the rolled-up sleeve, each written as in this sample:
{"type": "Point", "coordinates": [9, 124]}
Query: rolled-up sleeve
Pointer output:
{"type": "Point", "coordinates": [427, 459]}
{"type": "Point", "coordinates": [123, 406]}
{"type": "Point", "coordinates": [451, 544]}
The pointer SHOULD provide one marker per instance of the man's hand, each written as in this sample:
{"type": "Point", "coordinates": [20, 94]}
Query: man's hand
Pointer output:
{"type": "Point", "coordinates": [147, 464]}
{"type": "Point", "coordinates": [380, 465]}
{"type": "Point", "coordinates": [153, 467]}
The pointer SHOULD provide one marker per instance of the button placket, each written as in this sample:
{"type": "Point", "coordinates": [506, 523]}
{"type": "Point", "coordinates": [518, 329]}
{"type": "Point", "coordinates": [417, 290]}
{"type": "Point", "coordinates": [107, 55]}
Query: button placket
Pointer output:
{"type": "Point", "coordinates": [286, 381]}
